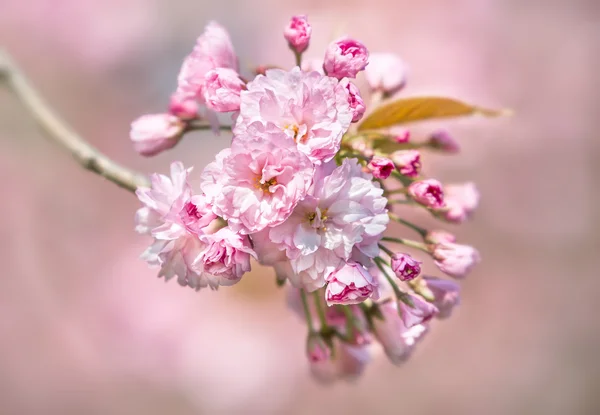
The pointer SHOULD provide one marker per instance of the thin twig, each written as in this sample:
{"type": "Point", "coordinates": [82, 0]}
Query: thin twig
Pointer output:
{"type": "Point", "coordinates": [59, 132]}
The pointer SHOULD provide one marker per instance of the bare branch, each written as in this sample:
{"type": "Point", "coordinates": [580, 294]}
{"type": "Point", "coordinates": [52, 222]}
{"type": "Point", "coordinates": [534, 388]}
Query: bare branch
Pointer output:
{"type": "Point", "coordinates": [57, 130]}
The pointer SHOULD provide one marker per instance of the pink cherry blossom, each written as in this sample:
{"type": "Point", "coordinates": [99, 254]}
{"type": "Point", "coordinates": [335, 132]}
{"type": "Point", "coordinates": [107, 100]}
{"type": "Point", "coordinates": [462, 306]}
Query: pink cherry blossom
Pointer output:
{"type": "Point", "coordinates": [397, 340]}
{"type": "Point", "coordinates": [461, 201]}
{"type": "Point", "coordinates": [351, 284]}
{"type": "Point", "coordinates": [345, 58]}
{"type": "Point", "coordinates": [386, 72]}
{"type": "Point", "coordinates": [213, 49]}
{"type": "Point", "coordinates": [428, 193]}
{"type": "Point", "coordinates": [446, 295]}
{"type": "Point", "coordinates": [222, 90]}
{"type": "Point", "coordinates": [405, 267]}
{"type": "Point", "coordinates": [225, 258]}
{"type": "Point", "coordinates": [454, 259]}
{"type": "Point", "coordinates": [444, 141]}
{"type": "Point", "coordinates": [267, 252]}
{"type": "Point", "coordinates": [297, 33]}
{"type": "Point", "coordinates": [260, 181]}
{"type": "Point", "coordinates": [152, 134]}
{"type": "Point", "coordinates": [418, 312]}
{"type": "Point", "coordinates": [176, 219]}
{"type": "Point", "coordinates": [312, 110]}
{"type": "Point", "coordinates": [381, 167]}
{"type": "Point", "coordinates": [408, 162]}
{"type": "Point", "coordinates": [343, 216]}
{"type": "Point", "coordinates": [183, 107]}
{"type": "Point", "coordinates": [356, 102]}
{"type": "Point", "coordinates": [316, 348]}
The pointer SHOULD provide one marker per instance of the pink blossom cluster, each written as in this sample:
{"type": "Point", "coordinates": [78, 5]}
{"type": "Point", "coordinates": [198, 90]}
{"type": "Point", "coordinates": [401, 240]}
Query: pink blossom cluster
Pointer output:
{"type": "Point", "coordinates": [302, 189]}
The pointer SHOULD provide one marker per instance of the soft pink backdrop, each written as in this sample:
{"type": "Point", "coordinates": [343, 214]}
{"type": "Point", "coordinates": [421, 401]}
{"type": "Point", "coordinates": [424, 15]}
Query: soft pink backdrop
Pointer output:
{"type": "Point", "coordinates": [87, 328]}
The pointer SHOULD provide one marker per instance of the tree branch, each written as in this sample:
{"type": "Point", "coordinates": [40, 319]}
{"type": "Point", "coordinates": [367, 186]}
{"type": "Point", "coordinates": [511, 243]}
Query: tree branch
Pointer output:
{"type": "Point", "coordinates": [58, 131]}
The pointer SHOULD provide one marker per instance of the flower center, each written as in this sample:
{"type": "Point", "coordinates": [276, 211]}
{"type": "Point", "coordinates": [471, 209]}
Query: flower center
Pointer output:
{"type": "Point", "coordinates": [317, 219]}
{"type": "Point", "coordinates": [265, 185]}
{"type": "Point", "coordinates": [298, 136]}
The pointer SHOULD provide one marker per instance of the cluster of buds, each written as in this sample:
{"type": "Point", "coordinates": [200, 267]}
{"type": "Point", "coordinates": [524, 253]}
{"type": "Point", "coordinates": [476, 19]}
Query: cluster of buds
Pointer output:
{"type": "Point", "coordinates": [305, 188]}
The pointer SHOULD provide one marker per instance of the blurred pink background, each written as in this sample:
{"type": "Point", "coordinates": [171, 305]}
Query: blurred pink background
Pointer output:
{"type": "Point", "coordinates": [87, 328]}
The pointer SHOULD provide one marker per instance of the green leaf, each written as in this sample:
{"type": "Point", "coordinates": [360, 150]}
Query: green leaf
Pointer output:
{"type": "Point", "coordinates": [422, 108]}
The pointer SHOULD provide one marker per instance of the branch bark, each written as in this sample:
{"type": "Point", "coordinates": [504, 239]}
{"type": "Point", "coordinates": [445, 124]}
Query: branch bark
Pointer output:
{"type": "Point", "coordinates": [59, 132]}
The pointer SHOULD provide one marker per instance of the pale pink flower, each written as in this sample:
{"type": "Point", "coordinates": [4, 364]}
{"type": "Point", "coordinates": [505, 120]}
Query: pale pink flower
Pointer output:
{"type": "Point", "coordinates": [381, 167]}
{"type": "Point", "coordinates": [183, 106]}
{"type": "Point", "coordinates": [418, 312]}
{"type": "Point", "coordinates": [343, 216]}
{"type": "Point", "coordinates": [428, 193]}
{"type": "Point", "coordinates": [213, 49]}
{"type": "Point", "coordinates": [176, 219]}
{"type": "Point", "coordinates": [386, 72]}
{"type": "Point", "coordinates": [297, 33]}
{"type": "Point", "coordinates": [438, 236]}
{"type": "Point", "coordinates": [267, 252]}
{"type": "Point", "coordinates": [225, 258]}
{"type": "Point", "coordinates": [312, 110]}
{"type": "Point", "coordinates": [397, 340]}
{"type": "Point", "coordinates": [454, 259]}
{"type": "Point", "coordinates": [222, 90]}
{"type": "Point", "coordinates": [347, 363]}
{"type": "Point", "coordinates": [445, 293]}
{"type": "Point", "coordinates": [408, 162]}
{"type": "Point", "coordinates": [444, 141]}
{"type": "Point", "coordinates": [405, 267]}
{"type": "Point", "coordinates": [461, 201]}
{"type": "Point", "coordinates": [317, 349]}
{"type": "Point", "coordinates": [354, 99]}
{"type": "Point", "coordinates": [351, 284]}
{"type": "Point", "coordinates": [345, 58]}
{"type": "Point", "coordinates": [154, 133]}
{"type": "Point", "coordinates": [260, 180]}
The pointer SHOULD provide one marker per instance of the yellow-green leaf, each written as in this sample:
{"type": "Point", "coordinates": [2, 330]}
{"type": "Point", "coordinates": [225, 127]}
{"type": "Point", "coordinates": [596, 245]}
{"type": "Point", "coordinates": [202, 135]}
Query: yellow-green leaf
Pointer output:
{"type": "Point", "coordinates": [421, 108]}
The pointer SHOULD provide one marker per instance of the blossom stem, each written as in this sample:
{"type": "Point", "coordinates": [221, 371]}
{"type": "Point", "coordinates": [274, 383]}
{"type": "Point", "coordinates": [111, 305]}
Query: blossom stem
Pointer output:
{"type": "Point", "coordinates": [307, 315]}
{"type": "Point", "coordinates": [407, 242]}
{"type": "Point", "coordinates": [414, 227]}
{"type": "Point", "coordinates": [386, 250]}
{"type": "Point", "coordinates": [59, 132]}
{"type": "Point", "coordinates": [379, 262]}
{"type": "Point", "coordinates": [298, 57]}
{"type": "Point", "coordinates": [396, 191]}
{"type": "Point", "coordinates": [406, 181]}
{"type": "Point", "coordinates": [320, 310]}
{"type": "Point", "coordinates": [203, 125]}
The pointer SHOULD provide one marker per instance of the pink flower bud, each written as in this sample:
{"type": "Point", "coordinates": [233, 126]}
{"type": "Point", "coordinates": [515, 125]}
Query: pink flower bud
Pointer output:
{"type": "Point", "coordinates": [356, 102]}
{"type": "Point", "coordinates": [454, 259]}
{"type": "Point", "coordinates": [154, 133]}
{"type": "Point", "coordinates": [461, 202]}
{"type": "Point", "coordinates": [442, 140]}
{"type": "Point", "coordinates": [386, 72]}
{"type": "Point", "coordinates": [352, 284]}
{"type": "Point", "coordinates": [428, 193]}
{"type": "Point", "coordinates": [381, 167]}
{"type": "Point", "coordinates": [183, 107]}
{"type": "Point", "coordinates": [401, 136]}
{"type": "Point", "coordinates": [222, 90]}
{"type": "Point", "coordinates": [405, 267]}
{"type": "Point", "coordinates": [317, 349]}
{"type": "Point", "coordinates": [418, 312]}
{"type": "Point", "coordinates": [408, 162]}
{"type": "Point", "coordinates": [397, 340]}
{"type": "Point", "coordinates": [297, 33]}
{"type": "Point", "coordinates": [345, 58]}
{"type": "Point", "coordinates": [446, 295]}
{"type": "Point", "coordinates": [437, 237]}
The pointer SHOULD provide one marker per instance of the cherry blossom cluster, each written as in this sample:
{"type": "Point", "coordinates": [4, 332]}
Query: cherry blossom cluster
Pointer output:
{"type": "Point", "coordinates": [303, 189]}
